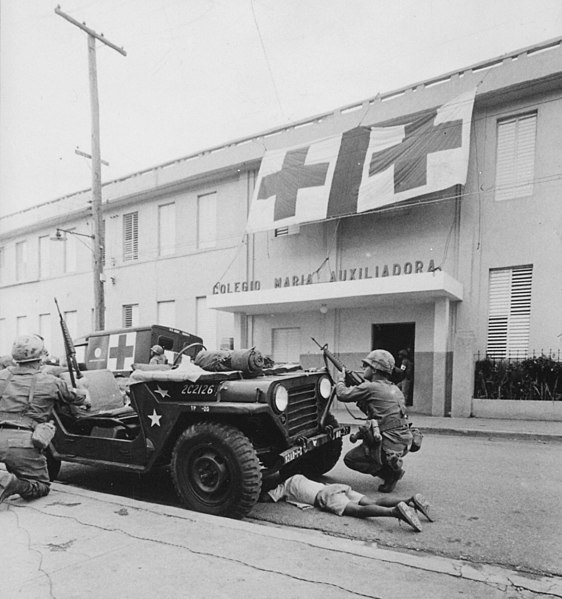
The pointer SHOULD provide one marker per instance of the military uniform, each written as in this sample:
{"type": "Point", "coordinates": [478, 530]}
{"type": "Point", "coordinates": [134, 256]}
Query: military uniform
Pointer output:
{"type": "Point", "coordinates": [27, 398]}
{"type": "Point", "coordinates": [379, 454]}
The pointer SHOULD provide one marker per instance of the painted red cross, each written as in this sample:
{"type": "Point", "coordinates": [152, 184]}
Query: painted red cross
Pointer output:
{"type": "Point", "coordinates": [121, 351]}
{"type": "Point", "coordinates": [409, 157]}
{"type": "Point", "coordinates": [294, 175]}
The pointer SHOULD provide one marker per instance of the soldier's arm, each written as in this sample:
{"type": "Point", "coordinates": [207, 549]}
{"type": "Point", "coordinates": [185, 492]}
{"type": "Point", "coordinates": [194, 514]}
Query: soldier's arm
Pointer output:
{"type": "Point", "coordinates": [348, 394]}
{"type": "Point", "coordinates": [73, 397]}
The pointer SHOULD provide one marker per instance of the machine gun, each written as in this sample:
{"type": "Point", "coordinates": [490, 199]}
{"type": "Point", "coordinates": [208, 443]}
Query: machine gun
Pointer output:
{"type": "Point", "coordinates": [69, 350]}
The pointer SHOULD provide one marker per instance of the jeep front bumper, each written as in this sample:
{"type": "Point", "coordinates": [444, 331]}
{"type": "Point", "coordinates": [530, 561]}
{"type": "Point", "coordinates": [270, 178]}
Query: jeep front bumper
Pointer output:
{"type": "Point", "coordinates": [311, 443]}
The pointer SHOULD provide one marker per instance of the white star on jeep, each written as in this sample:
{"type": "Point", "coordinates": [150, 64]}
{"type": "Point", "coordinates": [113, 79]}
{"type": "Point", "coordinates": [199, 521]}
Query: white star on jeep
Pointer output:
{"type": "Point", "coordinates": [162, 392]}
{"type": "Point", "coordinates": [154, 418]}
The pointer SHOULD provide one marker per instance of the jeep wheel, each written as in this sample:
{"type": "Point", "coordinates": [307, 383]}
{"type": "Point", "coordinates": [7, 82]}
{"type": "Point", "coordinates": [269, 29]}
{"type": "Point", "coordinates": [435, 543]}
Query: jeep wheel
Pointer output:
{"type": "Point", "coordinates": [322, 460]}
{"type": "Point", "coordinates": [216, 470]}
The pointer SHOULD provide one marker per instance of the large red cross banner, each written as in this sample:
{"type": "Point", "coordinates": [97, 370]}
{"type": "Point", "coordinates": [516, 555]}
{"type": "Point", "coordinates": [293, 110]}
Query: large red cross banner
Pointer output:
{"type": "Point", "coordinates": [363, 169]}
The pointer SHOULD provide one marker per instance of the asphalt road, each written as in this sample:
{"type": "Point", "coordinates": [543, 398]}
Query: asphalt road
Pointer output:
{"type": "Point", "coordinates": [495, 501]}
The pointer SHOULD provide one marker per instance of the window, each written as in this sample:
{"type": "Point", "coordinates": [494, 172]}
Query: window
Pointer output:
{"type": "Point", "coordinates": [21, 260]}
{"type": "Point", "coordinates": [286, 345]}
{"type": "Point", "coordinates": [71, 319]}
{"type": "Point", "coordinates": [4, 343]}
{"type": "Point", "coordinates": [130, 236]}
{"type": "Point", "coordinates": [70, 251]}
{"type": "Point", "coordinates": [21, 325]}
{"type": "Point", "coordinates": [44, 255]}
{"type": "Point", "coordinates": [166, 229]}
{"type": "Point", "coordinates": [166, 313]}
{"type": "Point", "coordinates": [2, 265]}
{"type": "Point", "coordinates": [130, 315]}
{"type": "Point", "coordinates": [515, 161]}
{"type": "Point", "coordinates": [206, 323]}
{"type": "Point", "coordinates": [45, 328]}
{"type": "Point", "coordinates": [207, 220]}
{"type": "Point", "coordinates": [509, 312]}
{"type": "Point", "coordinates": [286, 230]}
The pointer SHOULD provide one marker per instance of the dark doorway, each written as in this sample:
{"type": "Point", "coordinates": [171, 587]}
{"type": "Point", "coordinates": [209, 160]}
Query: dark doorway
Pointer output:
{"type": "Point", "coordinates": [393, 337]}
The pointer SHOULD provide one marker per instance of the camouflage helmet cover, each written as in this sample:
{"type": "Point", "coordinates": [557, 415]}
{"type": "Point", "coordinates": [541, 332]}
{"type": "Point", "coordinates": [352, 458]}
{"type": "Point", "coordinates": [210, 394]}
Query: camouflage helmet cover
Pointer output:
{"type": "Point", "coordinates": [157, 349]}
{"type": "Point", "coordinates": [28, 348]}
{"type": "Point", "coordinates": [380, 359]}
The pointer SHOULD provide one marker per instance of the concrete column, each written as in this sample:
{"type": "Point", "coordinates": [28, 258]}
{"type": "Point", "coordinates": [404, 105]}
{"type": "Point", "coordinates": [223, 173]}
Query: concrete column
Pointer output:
{"type": "Point", "coordinates": [240, 331]}
{"type": "Point", "coordinates": [440, 346]}
{"type": "Point", "coordinates": [463, 374]}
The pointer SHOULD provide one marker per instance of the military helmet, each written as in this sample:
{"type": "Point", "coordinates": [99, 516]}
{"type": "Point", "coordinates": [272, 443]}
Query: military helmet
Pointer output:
{"type": "Point", "coordinates": [28, 348]}
{"type": "Point", "coordinates": [157, 349]}
{"type": "Point", "coordinates": [380, 359]}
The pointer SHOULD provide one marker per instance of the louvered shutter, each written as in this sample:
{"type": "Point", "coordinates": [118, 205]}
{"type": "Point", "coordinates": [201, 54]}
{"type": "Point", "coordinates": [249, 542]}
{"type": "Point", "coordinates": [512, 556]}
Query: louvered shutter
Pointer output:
{"type": "Point", "coordinates": [515, 161]}
{"type": "Point", "coordinates": [130, 236]}
{"type": "Point", "coordinates": [130, 315]}
{"type": "Point", "coordinates": [509, 313]}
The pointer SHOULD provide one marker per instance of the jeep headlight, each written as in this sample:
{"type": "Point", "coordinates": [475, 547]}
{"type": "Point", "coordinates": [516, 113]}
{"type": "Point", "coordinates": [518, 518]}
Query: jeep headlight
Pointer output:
{"type": "Point", "coordinates": [324, 387]}
{"type": "Point", "coordinates": [280, 398]}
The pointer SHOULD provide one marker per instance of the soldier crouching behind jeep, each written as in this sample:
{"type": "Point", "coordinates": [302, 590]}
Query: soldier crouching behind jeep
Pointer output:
{"type": "Point", "coordinates": [386, 436]}
{"type": "Point", "coordinates": [27, 398]}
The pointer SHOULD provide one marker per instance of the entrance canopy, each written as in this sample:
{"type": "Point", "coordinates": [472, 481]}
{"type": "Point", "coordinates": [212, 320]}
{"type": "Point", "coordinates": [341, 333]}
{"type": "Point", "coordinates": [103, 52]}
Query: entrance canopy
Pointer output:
{"type": "Point", "coordinates": [406, 289]}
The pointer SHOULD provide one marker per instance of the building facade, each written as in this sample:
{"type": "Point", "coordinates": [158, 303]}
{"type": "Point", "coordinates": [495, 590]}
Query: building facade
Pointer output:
{"type": "Point", "coordinates": [474, 268]}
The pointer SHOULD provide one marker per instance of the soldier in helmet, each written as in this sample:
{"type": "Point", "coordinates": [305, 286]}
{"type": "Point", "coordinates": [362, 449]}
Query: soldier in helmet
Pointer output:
{"type": "Point", "coordinates": [27, 397]}
{"type": "Point", "coordinates": [386, 436]}
{"type": "Point", "coordinates": [157, 355]}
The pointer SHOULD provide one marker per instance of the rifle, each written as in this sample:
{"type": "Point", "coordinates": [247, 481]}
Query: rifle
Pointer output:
{"type": "Point", "coordinates": [353, 378]}
{"type": "Point", "coordinates": [69, 350]}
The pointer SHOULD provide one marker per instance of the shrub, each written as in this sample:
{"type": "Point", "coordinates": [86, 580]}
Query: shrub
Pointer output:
{"type": "Point", "coordinates": [536, 378]}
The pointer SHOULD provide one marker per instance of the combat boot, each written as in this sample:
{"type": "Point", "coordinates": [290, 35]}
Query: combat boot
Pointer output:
{"type": "Point", "coordinates": [390, 480]}
{"type": "Point", "coordinates": [10, 484]}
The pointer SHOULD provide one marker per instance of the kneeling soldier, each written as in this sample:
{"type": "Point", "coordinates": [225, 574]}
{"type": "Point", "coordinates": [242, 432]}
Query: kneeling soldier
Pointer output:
{"type": "Point", "coordinates": [27, 399]}
{"type": "Point", "coordinates": [386, 437]}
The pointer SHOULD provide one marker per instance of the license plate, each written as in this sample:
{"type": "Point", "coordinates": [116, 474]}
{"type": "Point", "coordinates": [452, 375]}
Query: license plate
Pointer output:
{"type": "Point", "coordinates": [313, 443]}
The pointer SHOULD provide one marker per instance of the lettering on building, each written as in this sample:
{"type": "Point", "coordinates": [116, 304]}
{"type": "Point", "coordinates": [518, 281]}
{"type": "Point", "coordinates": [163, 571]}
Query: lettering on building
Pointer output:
{"type": "Point", "coordinates": [236, 287]}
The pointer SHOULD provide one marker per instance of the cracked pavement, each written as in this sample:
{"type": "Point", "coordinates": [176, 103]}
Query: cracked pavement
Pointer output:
{"type": "Point", "coordinates": [78, 543]}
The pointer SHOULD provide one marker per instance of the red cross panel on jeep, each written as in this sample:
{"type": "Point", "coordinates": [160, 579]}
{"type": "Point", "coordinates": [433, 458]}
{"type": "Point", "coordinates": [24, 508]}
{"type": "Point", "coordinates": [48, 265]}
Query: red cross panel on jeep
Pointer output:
{"type": "Point", "coordinates": [114, 352]}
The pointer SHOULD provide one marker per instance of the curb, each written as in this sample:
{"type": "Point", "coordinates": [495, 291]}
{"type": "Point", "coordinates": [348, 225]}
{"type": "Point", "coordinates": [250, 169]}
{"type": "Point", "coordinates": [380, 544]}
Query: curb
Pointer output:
{"type": "Point", "coordinates": [489, 574]}
{"type": "Point", "coordinates": [541, 437]}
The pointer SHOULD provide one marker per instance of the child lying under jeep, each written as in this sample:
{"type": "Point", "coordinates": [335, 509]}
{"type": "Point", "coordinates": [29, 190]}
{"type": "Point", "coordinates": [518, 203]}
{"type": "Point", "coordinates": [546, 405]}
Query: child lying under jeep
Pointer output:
{"type": "Point", "coordinates": [342, 500]}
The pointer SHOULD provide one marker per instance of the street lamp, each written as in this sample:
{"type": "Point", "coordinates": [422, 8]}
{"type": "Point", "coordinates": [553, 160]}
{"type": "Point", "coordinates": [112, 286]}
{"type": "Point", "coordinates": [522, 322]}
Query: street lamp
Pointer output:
{"type": "Point", "coordinates": [99, 277]}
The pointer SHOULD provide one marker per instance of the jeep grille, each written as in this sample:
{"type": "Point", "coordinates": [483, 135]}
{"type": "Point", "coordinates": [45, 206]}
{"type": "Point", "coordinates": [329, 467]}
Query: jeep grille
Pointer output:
{"type": "Point", "coordinates": [303, 410]}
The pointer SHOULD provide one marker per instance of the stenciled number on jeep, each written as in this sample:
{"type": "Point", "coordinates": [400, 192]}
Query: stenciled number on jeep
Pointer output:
{"type": "Point", "coordinates": [194, 389]}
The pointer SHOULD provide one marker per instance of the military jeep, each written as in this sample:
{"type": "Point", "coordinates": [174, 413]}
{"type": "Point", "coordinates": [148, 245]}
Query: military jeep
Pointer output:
{"type": "Point", "coordinates": [220, 434]}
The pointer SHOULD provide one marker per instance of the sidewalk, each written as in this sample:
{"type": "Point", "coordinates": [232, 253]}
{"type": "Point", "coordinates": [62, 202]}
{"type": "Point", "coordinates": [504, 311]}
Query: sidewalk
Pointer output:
{"type": "Point", "coordinates": [534, 430]}
{"type": "Point", "coordinates": [82, 544]}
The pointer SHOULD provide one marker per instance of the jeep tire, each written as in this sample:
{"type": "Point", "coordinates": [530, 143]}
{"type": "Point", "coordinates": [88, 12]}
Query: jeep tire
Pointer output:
{"type": "Point", "coordinates": [215, 470]}
{"type": "Point", "coordinates": [53, 465]}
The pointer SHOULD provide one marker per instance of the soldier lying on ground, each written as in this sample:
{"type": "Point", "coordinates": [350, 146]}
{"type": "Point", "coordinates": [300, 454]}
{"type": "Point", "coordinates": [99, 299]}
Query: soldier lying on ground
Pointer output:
{"type": "Point", "coordinates": [344, 501]}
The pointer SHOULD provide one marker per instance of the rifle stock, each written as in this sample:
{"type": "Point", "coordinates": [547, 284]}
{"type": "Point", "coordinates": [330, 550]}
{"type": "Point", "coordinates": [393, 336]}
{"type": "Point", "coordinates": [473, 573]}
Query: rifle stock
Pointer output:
{"type": "Point", "coordinates": [69, 350]}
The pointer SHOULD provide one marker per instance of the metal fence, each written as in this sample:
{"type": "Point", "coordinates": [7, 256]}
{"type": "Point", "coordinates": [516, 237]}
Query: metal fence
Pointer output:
{"type": "Point", "coordinates": [535, 377]}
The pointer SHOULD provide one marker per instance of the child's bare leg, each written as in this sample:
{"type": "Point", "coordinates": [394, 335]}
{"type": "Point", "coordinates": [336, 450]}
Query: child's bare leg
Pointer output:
{"type": "Point", "coordinates": [385, 501]}
{"type": "Point", "coordinates": [371, 510]}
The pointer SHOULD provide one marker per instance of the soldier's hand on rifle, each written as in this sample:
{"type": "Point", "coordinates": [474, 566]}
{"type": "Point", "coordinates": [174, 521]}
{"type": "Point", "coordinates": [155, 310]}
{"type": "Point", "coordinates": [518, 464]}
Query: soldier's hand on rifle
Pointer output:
{"type": "Point", "coordinates": [343, 375]}
{"type": "Point", "coordinates": [85, 394]}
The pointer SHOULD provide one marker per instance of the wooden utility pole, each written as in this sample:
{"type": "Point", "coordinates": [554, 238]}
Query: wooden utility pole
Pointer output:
{"type": "Point", "coordinates": [99, 238]}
